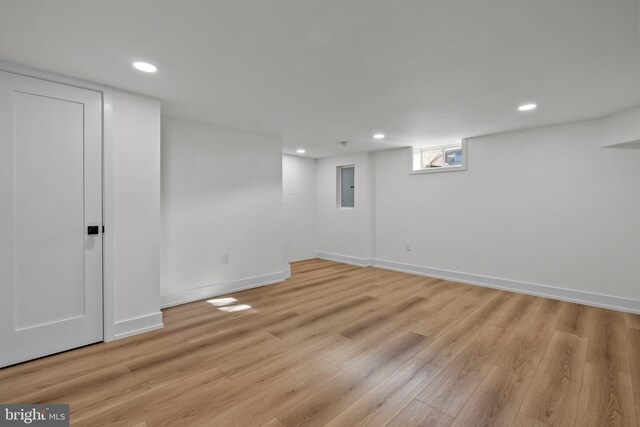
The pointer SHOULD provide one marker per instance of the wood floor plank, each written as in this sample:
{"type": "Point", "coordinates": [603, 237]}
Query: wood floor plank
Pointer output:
{"type": "Point", "coordinates": [512, 315]}
{"type": "Point", "coordinates": [441, 316]}
{"type": "Point", "coordinates": [633, 341]}
{"type": "Point", "coordinates": [552, 397]}
{"type": "Point", "coordinates": [238, 390]}
{"type": "Point", "coordinates": [126, 411]}
{"type": "Point", "coordinates": [632, 320]}
{"type": "Point", "coordinates": [49, 372]}
{"type": "Point", "coordinates": [137, 384]}
{"type": "Point", "coordinates": [68, 389]}
{"type": "Point", "coordinates": [449, 391]}
{"type": "Point", "coordinates": [314, 347]}
{"type": "Point", "coordinates": [417, 414]}
{"type": "Point", "coordinates": [607, 340]}
{"type": "Point", "coordinates": [385, 400]}
{"type": "Point", "coordinates": [329, 401]}
{"type": "Point", "coordinates": [344, 345]}
{"type": "Point", "coordinates": [524, 351]}
{"type": "Point", "coordinates": [496, 400]}
{"type": "Point", "coordinates": [606, 398]}
{"type": "Point", "coordinates": [328, 318]}
{"type": "Point", "coordinates": [574, 319]}
{"type": "Point", "coordinates": [382, 321]}
{"type": "Point", "coordinates": [453, 341]}
{"type": "Point", "coordinates": [265, 403]}
{"type": "Point", "coordinates": [524, 421]}
{"type": "Point", "coordinates": [274, 422]}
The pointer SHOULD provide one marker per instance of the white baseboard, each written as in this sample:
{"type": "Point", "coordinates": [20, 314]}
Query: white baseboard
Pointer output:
{"type": "Point", "coordinates": [209, 291]}
{"type": "Point", "coordinates": [138, 325]}
{"type": "Point", "coordinates": [346, 259]}
{"type": "Point", "coordinates": [570, 295]}
{"type": "Point", "coordinates": [304, 257]}
{"type": "Point", "coordinates": [580, 297]}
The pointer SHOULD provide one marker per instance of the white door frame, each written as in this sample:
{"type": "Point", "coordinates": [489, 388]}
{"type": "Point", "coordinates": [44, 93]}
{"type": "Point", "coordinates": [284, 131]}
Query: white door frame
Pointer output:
{"type": "Point", "coordinates": [107, 182]}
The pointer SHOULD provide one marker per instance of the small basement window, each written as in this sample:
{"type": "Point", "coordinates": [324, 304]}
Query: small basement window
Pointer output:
{"type": "Point", "coordinates": [444, 158]}
{"type": "Point", "coordinates": [346, 186]}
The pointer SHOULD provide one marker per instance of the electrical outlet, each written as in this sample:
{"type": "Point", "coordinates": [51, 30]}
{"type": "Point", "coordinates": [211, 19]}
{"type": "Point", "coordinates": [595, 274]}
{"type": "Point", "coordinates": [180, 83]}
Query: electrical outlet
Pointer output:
{"type": "Point", "coordinates": [226, 258]}
{"type": "Point", "coordinates": [407, 246]}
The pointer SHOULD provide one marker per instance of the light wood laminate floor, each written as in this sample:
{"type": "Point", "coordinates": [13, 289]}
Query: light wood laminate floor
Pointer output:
{"type": "Point", "coordinates": [342, 345]}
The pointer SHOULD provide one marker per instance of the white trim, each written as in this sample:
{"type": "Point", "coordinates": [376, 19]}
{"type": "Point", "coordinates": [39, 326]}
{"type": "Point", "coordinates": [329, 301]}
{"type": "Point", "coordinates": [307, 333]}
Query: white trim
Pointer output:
{"type": "Point", "coordinates": [305, 257]}
{"type": "Point", "coordinates": [579, 297]}
{"type": "Point", "coordinates": [108, 310]}
{"type": "Point", "coordinates": [138, 325]}
{"type": "Point", "coordinates": [108, 281]}
{"type": "Point", "coordinates": [563, 294]}
{"type": "Point", "coordinates": [203, 292]}
{"type": "Point", "coordinates": [346, 259]}
{"type": "Point", "coordinates": [49, 76]}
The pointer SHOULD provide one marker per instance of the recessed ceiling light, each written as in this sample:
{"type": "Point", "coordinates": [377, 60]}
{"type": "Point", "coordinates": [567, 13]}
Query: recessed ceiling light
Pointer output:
{"type": "Point", "coordinates": [145, 66]}
{"type": "Point", "coordinates": [300, 151]}
{"type": "Point", "coordinates": [527, 107]}
{"type": "Point", "coordinates": [378, 136]}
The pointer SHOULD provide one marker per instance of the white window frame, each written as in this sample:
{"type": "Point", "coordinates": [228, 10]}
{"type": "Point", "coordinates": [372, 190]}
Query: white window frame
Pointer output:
{"type": "Point", "coordinates": [462, 167]}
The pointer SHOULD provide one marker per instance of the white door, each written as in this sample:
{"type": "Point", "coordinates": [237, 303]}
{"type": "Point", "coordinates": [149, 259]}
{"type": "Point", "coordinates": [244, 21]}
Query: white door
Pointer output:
{"type": "Point", "coordinates": [50, 193]}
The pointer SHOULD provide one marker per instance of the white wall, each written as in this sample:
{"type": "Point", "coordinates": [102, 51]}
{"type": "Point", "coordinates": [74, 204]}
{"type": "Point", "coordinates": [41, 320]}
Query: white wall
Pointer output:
{"type": "Point", "coordinates": [621, 128]}
{"type": "Point", "coordinates": [547, 206]}
{"type": "Point", "coordinates": [345, 231]}
{"type": "Point", "coordinates": [221, 194]}
{"type": "Point", "coordinates": [134, 227]}
{"type": "Point", "coordinates": [299, 199]}
{"type": "Point", "coordinates": [546, 211]}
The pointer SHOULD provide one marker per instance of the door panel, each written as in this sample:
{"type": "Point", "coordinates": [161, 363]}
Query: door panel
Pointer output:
{"type": "Point", "coordinates": [347, 186]}
{"type": "Point", "coordinates": [49, 242]}
{"type": "Point", "coordinates": [50, 269]}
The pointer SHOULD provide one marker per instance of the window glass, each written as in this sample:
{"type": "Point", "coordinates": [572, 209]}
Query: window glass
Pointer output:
{"type": "Point", "coordinates": [432, 159]}
{"type": "Point", "coordinates": [439, 159]}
